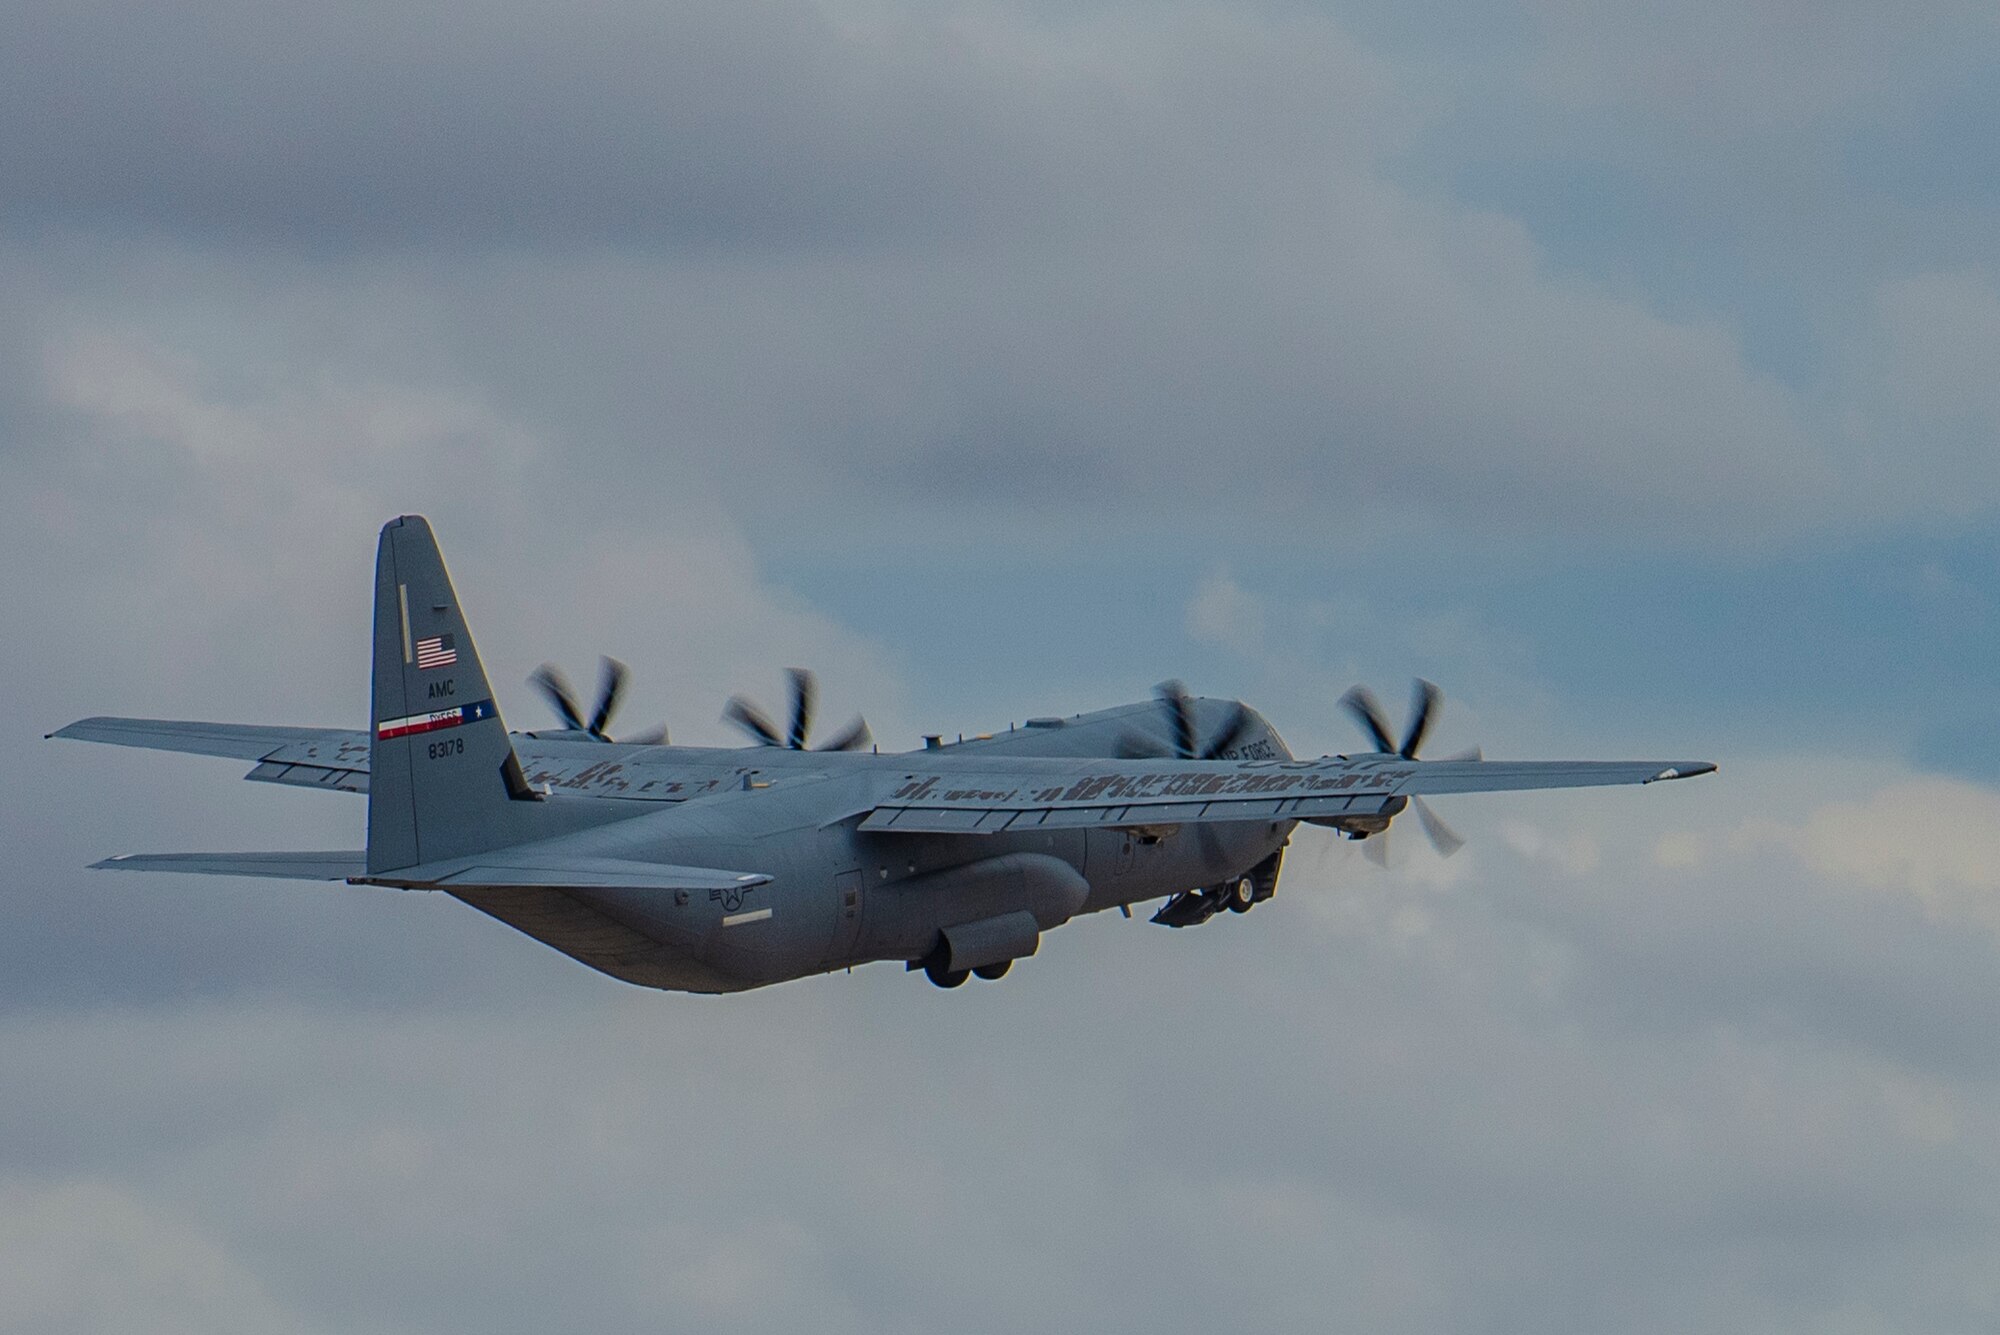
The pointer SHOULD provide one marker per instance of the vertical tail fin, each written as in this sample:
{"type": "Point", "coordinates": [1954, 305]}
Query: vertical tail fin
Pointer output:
{"type": "Point", "coordinates": [443, 780]}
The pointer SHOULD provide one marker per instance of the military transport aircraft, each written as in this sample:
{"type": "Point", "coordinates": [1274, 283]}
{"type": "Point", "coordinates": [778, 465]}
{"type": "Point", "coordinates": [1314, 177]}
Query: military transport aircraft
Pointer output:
{"type": "Point", "coordinates": [710, 869]}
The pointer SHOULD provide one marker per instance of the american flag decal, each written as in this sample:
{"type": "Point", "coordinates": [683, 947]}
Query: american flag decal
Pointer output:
{"type": "Point", "coordinates": [436, 652]}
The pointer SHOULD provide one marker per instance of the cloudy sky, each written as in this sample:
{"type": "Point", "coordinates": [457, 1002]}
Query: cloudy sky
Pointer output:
{"type": "Point", "coordinates": [1633, 372]}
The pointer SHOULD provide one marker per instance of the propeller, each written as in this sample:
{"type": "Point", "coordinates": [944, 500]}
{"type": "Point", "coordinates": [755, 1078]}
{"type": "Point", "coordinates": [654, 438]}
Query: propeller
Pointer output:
{"type": "Point", "coordinates": [1179, 709]}
{"type": "Point", "coordinates": [1187, 744]}
{"type": "Point", "coordinates": [1361, 703]}
{"type": "Point", "coordinates": [548, 678]}
{"type": "Point", "coordinates": [805, 695]}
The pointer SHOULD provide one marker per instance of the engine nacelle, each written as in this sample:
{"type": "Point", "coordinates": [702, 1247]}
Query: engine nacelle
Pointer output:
{"type": "Point", "coordinates": [1361, 824]}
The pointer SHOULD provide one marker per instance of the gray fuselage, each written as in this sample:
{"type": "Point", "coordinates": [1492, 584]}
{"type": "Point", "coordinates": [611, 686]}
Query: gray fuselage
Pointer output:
{"type": "Point", "coordinates": [840, 896]}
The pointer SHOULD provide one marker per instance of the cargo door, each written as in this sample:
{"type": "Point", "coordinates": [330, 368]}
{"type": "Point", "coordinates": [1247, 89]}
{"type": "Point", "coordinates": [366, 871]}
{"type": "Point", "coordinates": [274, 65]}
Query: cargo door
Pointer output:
{"type": "Point", "coordinates": [839, 846]}
{"type": "Point", "coordinates": [847, 892]}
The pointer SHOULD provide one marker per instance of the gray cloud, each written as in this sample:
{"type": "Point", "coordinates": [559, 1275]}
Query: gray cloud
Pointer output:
{"type": "Point", "coordinates": [1745, 70]}
{"type": "Point", "coordinates": [362, 125]}
{"type": "Point", "coordinates": [1025, 261]}
{"type": "Point", "coordinates": [775, 125]}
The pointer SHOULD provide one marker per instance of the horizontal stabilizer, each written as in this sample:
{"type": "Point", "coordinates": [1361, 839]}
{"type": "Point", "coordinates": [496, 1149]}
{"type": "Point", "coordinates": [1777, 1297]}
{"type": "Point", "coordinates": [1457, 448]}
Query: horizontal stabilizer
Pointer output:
{"type": "Point", "coordinates": [335, 866]}
{"type": "Point", "coordinates": [244, 741]}
{"type": "Point", "coordinates": [499, 871]}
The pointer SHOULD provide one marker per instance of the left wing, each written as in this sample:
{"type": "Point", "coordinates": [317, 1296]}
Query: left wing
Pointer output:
{"type": "Point", "coordinates": [1129, 793]}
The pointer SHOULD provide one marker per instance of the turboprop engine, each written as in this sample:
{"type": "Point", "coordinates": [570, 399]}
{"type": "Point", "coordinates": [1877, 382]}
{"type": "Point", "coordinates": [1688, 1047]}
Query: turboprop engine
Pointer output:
{"type": "Point", "coordinates": [1361, 824]}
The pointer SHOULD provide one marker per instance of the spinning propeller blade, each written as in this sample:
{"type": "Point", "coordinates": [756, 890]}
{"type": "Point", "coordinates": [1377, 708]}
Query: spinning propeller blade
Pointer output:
{"type": "Point", "coordinates": [1232, 733]}
{"type": "Point", "coordinates": [1360, 702]}
{"type": "Point", "coordinates": [1422, 709]}
{"type": "Point", "coordinates": [854, 737]}
{"type": "Point", "coordinates": [804, 692]}
{"type": "Point", "coordinates": [1442, 838]}
{"type": "Point", "coordinates": [805, 698]}
{"type": "Point", "coordinates": [610, 684]}
{"type": "Point", "coordinates": [751, 719]}
{"type": "Point", "coordinates": [1173, 698]}
{"type": "Point", "coordinates": [549, 680]}
{"type": "Point", "coordinates": [1181, 728]}
{"type": "Point", "coordinates": [1424, 703]}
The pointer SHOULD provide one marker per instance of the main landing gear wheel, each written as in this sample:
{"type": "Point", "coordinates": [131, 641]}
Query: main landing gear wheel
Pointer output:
{"type": "Point", "coordinates": [990, 972]}
{"type": "Point", "coordinates": [943, 977]}
{"type": "Point", "coordinates": [1242, 895]}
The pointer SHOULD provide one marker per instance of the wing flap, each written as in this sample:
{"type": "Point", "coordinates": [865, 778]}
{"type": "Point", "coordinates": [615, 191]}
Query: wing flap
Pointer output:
{"type": "Point", "coordinates": [961, 820]}
{"type": "Point", "coordinates": [310, 776]}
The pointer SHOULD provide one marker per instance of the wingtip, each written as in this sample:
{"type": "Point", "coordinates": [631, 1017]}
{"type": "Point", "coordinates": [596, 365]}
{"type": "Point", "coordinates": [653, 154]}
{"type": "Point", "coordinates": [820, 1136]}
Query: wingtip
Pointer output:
{"type": "Point", "coordinates": [1687, 769]}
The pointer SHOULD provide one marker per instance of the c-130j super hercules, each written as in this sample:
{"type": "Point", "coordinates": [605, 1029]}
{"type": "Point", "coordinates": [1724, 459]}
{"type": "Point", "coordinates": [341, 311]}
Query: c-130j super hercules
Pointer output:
{"type": "Point", "coordinates": [710, 869]}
